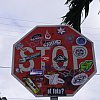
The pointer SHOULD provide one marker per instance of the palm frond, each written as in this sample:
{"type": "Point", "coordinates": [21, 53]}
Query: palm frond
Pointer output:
{"type": "Point", "coordinates": [73, 17]}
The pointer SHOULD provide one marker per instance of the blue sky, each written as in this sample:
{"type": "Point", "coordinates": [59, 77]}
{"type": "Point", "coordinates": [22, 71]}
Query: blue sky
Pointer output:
{"type": "Point", "coordinates": [17, 17]}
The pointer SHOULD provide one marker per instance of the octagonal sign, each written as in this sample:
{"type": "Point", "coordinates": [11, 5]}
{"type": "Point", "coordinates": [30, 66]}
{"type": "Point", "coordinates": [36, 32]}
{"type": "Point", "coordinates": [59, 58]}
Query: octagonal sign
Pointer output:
{"type": "Point", "coordinates": [53, 61]}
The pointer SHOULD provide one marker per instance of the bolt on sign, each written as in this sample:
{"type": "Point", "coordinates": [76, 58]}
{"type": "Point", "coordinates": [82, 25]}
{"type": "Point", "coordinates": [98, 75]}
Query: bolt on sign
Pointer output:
{"type": "Point", "coordinates": [53, 61]}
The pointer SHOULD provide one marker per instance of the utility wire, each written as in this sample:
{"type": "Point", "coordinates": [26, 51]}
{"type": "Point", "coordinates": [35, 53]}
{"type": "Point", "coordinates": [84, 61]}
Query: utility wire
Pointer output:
{"type": "Point", "coordinates": [91, 27]}
{"type": "Point", "coordinates": [32, 27]}
{"type": "Point", "coordinates": [4, 67]}
{"type": "Point", "coordinates": [22, 26]}
{"type": "Point", "coordinates": [16, 19]}
{"type": "Point", "coordinates": [26, 20]}
{"type": "Point", "coordinates": [36, 22]}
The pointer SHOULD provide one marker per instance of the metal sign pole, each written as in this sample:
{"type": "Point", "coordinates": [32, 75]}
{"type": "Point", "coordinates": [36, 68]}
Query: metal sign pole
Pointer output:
{"type": "Point", "coordinates": [53, 98]}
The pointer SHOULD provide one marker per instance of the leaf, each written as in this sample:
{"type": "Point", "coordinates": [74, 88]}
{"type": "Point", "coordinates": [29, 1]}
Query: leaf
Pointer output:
{"type": "Point", "coordinates": [73, 17]}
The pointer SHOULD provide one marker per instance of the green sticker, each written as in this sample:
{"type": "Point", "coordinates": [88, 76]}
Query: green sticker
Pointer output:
{"type": "Point", "coordinates": [86, 65]}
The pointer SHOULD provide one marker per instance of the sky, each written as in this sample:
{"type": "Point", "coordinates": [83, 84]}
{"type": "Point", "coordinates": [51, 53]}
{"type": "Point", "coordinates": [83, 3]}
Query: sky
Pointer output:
{"type": "Point", "coordinates": [17, 17]}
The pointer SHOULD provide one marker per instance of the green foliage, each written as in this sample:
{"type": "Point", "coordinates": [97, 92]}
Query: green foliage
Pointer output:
{"type": "Point", "coordinates": [73, 17]}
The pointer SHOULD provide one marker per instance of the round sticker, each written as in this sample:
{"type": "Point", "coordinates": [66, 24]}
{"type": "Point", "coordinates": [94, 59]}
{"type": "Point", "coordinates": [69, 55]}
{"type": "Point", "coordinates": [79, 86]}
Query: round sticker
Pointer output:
{"type": "Point", "coordinates": [81, 40]}
{"type": "Point", "coordinates": [79, 79]}
{"type": "Point", "coordinates": [80, 52]}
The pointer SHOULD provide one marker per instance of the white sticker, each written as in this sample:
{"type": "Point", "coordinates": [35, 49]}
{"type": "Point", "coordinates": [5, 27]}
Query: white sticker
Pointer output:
{"type": "Point", "coordinates": [79, 79]}
{"type": "Point", "coordinates": [53, 79]}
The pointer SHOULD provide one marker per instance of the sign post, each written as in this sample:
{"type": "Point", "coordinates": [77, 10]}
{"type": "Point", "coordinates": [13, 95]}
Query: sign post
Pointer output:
{"type": "Point", "coordinates": [53, 61]}
{"type": "Point", "coordinates": [53, 98]}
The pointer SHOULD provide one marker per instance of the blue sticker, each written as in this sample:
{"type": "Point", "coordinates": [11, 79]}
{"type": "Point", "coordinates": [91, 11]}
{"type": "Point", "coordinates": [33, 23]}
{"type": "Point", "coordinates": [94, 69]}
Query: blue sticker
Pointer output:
{"type": "Point", "coordinates": [36, 72]}
{"type": "Point", "coordinates": [70, 38]}
{"type": "Point", "coordinates": [81, 40]}
{"type": "Point", "coordinates": [36, 37]}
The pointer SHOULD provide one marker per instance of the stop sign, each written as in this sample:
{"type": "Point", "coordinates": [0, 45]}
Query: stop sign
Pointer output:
{"type": "Point", "coordinates": [53, 61]}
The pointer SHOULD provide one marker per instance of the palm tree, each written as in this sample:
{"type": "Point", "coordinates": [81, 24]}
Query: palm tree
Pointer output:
{"type": "Point", "coordinates": [73, 17]}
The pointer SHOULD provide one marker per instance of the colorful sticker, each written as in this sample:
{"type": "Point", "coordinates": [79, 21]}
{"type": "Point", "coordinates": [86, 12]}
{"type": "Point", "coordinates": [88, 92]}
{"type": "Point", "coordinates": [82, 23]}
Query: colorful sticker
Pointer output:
{"type": "Point", "coordinates": [81, 40]}
{"type": "Point", "coordinates": [30, 84]}
{"type": "Point", "coordinates": [79, 79]}
{"type": "Point", "coordinates": [86, 65]}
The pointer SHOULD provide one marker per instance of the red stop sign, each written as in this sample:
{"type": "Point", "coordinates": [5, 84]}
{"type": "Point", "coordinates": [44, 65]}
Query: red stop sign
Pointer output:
{"type": "Point", "coordinates": [53, 61]}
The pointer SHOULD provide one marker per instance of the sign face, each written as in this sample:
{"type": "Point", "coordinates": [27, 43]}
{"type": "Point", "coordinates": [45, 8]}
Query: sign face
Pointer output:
{"type": "Point", "coordinates": [53, 61]}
